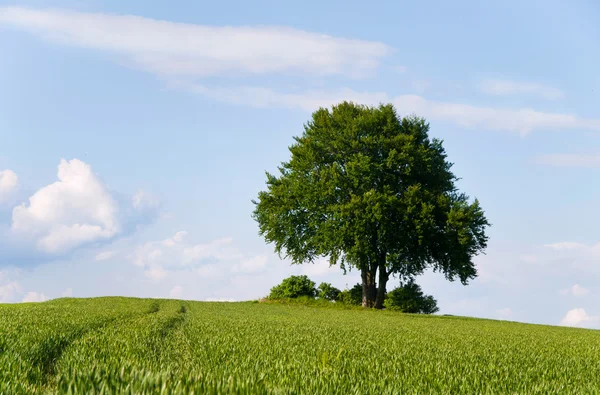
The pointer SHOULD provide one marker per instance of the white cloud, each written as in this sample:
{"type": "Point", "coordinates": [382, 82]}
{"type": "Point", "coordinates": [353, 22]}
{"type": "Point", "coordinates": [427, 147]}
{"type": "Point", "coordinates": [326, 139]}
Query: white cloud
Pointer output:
{"type": "Point", "coordinates": [567, 246]}
{"type": "Point", "coordinates": [505, 313]}
{"type": "Point", "coordinates": [569, 160]}
{"type": "Point", "coordinates": [8, 185]}
{"type": "Point", "coordinates": [209, 260]}
{"type": "Point", "coordinates": [75, 210]}
{"type": "Point", "coordinates": [252, 265]}
{"type": "Point", "coordinates": [177, 238]}
{"type": "Point", "coordinates": [144, 201]}
{"type": "Point", "coordinates": [563, 261]}
{"type": "Point", "coordinates": [517, 265]}
{"type": "Point", "coordinates": [34, 297]}
{"type": "Point", "coordinates": [505, 88]}
{"type": "Point", "coordinates": [578, 290]}
{"type": "Point", "coordinates": [261, 97]}
{"type": "Point", "coordinates": [575, 290]}
{"type": "Point", "coordinates": [102, 256]}
{"type": "Point", "coordinates": [523, 121]}
{"type": "Point", "coordinates": [579, 318]}
{"type": "Point", "coordinates": [67, 293]}
{"type": "Point", "coordinates": [8, 291]}
{"type": "Point", "coordinates": [176, 292]}
{"type": "Point", "coordinates": [179, 49]}
{"type": "Point", "coordinates": [217, 249]}
{"type": "Point", "coordinates": [401, 69]}
{"type": "Point", "coordinates": [578, 256]}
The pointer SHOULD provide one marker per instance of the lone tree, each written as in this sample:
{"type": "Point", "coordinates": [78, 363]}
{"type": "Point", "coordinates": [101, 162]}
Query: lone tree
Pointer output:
{"type": "Point", "coordinates": [370, 191]}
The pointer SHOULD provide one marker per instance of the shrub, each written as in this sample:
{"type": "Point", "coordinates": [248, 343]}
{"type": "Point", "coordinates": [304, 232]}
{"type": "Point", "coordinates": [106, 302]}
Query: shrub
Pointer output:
{"type": "Point", "coordinates": [328, 292]}
{"type": "Point", "coordinates": [409, 298]}
{"type": "Point", "coordinates": [294, 287]}
{"type": "Point", "coordinates": [351, 296]}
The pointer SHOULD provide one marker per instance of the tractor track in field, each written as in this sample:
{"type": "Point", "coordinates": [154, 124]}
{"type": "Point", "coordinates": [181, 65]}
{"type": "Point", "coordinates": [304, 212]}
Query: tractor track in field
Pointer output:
{"type": "Point", "coordinates": [50, 350]}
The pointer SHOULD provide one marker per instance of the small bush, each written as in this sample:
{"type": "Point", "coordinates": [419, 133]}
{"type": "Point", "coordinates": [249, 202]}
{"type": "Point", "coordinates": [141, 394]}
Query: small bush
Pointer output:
{"type": "Point", "coordinates": [352, 296]}
{"type": "Point", "coordinates": [328, 292]}
{"type": "Point", "coordinates": [409, 298]}
{"type": "Point", "coordinates": [294, 287]}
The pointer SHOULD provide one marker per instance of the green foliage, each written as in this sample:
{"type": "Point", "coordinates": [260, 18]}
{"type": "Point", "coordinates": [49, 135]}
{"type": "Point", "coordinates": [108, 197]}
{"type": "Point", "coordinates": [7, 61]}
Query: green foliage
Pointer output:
{"type": "Point", "coordinates": [311, 302]}
{"type": "Point", "coordinates": [371, 191]}
{"type": "Point", "coordinates": [294, 287]}
{"type": "Point", "coordinates": [352, 296]}
{"type": "Point", "coordinates": [409, 298]}
{"type": "Point", "coordinates": [327, 291]}
{"type": "Point", "coordinates": [116, 345]}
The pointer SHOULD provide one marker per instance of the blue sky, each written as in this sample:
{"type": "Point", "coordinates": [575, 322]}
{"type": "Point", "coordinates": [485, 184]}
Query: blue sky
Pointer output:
{"type": "Point", "coordinates": [133, 136]}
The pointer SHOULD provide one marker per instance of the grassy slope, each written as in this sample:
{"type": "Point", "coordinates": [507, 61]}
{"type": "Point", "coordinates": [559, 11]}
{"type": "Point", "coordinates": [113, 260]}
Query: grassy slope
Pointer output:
{"type": "Point", "coordinates": [144, 345]}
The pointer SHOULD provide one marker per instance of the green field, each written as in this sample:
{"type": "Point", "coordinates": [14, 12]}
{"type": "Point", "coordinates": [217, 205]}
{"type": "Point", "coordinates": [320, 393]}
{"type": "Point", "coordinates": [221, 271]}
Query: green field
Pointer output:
{"type": "Point", "coordinates": [127, 345]}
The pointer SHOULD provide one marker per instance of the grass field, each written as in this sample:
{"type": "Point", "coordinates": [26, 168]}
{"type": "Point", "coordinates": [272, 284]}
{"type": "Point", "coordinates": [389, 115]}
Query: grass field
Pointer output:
{"type": "Point", "coordinates": [126, 345]}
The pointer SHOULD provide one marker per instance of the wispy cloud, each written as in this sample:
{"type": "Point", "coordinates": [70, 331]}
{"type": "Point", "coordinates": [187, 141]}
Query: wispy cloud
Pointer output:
{"type": "Point", "coordinates": [182, 53]}
{"type": "Point", "coordinates": [590, 161]}
{"type": "Point", "coordinates": [507, 88]}
{"type": "Point", "coordinates": [180, 49]}
{"type": "Point", "coordinates": [576, 290]}
{"type": "Point", "coordinates": [262, 97]}
{"type": "Point", "coordinates": [572, 257]}
{"type": "Point", "coordinates": [213, 259]}
{"type": "Point", "coordinates": [521, 121]}
{"type": "Point", "coordinates": [567, 246]}
{"type": "Point", "coordinates": [256, 264]}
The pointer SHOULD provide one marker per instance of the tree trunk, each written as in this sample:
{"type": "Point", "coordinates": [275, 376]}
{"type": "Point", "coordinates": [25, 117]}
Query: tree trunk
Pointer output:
{"type": "Point", "coordinates": [383, 278]}
{"type": "Point", "coordinates": [369, 294]}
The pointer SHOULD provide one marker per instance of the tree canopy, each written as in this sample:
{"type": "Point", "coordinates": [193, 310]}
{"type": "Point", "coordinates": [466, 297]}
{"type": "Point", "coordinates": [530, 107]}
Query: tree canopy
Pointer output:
{"type": "Point", "coordinates": [371, 191]}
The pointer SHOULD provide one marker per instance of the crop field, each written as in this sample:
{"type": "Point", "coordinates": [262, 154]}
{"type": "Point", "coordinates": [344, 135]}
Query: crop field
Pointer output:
{"type": "Point", "coordinates": [127, 345]}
